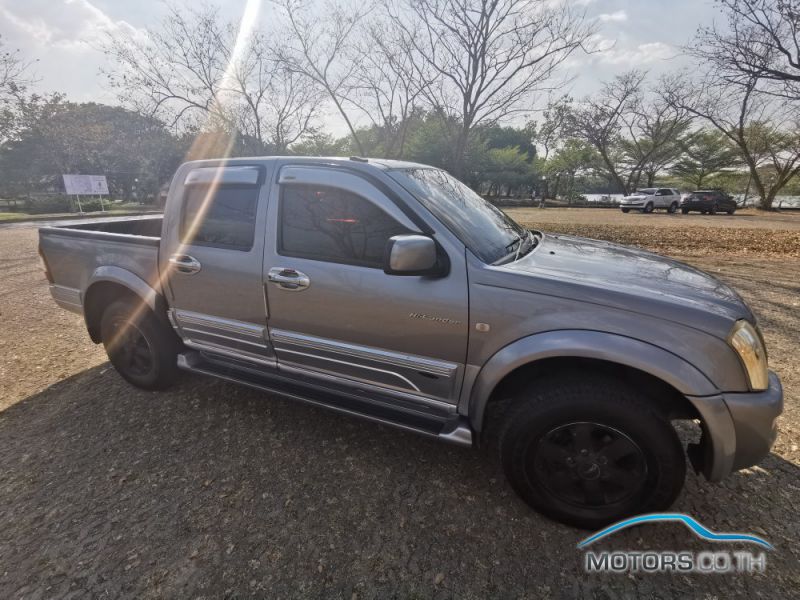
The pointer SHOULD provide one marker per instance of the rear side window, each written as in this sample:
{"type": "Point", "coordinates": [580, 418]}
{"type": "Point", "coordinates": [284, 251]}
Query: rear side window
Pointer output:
{"type": "Point", "coordinates": [334, 225]}
{"type": "Point", "coordinates": [223, 216]}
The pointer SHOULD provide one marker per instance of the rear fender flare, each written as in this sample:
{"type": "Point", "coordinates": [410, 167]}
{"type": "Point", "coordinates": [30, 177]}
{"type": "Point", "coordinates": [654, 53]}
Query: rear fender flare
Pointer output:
{"type": "Point", "coordinates": [125, 279]}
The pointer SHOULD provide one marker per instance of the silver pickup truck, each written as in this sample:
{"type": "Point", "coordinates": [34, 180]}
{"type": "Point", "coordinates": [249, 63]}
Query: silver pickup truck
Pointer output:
{"type": "Point", "coordinates": [391, 291]}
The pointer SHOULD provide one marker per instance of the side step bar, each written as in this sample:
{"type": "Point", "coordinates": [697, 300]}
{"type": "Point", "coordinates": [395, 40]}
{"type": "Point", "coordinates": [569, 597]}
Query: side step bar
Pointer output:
{"type": "Point", "coordinates": [444, 426]}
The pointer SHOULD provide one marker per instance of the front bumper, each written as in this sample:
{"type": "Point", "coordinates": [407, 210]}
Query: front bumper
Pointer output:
{"type": "Point", "coordinates": [738, 429]}
{"type": "Point", "coordinates": [754, 417]}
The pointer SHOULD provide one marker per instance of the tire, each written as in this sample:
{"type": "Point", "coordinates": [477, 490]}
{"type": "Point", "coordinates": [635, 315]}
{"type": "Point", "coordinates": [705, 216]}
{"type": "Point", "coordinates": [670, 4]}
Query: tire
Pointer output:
{"type": "Point", "coordinates": [684, 211]}
{"type": "Point", "coordinates": [626, 210]}
{"type": "Point", "coordinates": [731, 211]}
{"type": "Point", "coordinates": [634, 462]}
{"type": "Point", "coordinates": [673, 208]}
{"type": "Point", "coordinates": [714, 209]}
{"type": "Point", "coordinates": [648, 207]}
{"type": "Point", "coordinates": [141, 348]}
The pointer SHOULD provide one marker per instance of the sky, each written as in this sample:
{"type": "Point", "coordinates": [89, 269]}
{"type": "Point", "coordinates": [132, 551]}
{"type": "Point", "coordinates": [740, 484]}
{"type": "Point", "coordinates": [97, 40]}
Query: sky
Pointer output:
{"type": "Point", "coordinates": [63, 37]}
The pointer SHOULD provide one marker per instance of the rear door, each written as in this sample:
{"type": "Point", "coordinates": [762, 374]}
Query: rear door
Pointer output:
{"type": "Point", "coordinates": [339, 315]}
{"type": "Point", "coordinates": [212, 256]}
{"type": "Point", "coordinates": [664, 197]}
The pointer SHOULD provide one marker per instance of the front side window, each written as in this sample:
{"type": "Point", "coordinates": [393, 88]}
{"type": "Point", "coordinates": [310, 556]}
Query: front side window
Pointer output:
{"type": "Point", "coordinates": [223, 216]}
{"type": "Point", "coordinates": [334, 225]}
{"type": "Point", "coordinates": [483, 228]}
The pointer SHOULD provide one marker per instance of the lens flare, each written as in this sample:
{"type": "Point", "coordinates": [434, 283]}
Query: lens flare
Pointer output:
{"type": "Point", "coordinates": [203, 145]}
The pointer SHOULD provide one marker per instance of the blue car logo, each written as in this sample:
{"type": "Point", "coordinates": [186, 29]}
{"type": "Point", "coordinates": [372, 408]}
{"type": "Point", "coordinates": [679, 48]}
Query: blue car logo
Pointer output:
{"type": "Point", "coordinates": [697, 528]}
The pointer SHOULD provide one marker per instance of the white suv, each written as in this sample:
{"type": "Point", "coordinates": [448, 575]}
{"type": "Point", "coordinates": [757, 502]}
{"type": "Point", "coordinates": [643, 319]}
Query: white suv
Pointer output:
{"type": "Point", "coordinates": [648, 199]}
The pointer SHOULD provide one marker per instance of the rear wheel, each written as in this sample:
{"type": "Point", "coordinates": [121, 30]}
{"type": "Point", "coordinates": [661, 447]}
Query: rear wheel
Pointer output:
{"type": "Point", "coordinates": [714, 209]}
{"type": "Point", "coordinates": [142, 348]}
{"type": "Point", "coordinates": [626, 210]}
{"type": "Point", "coordinates": [648, 207]}
{"type": "Point", "coordinates": [731, 211]}
{"type": "Point", "coordinates": [588, 451]}
{"type": "Point", "coordinates": [673, 208]}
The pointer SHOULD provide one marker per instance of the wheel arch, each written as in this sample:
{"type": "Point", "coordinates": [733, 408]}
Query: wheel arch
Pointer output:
{"type": "Point", "coordinates": [669, 376]}
{"type": "Point", "coordinates": [109, 283]}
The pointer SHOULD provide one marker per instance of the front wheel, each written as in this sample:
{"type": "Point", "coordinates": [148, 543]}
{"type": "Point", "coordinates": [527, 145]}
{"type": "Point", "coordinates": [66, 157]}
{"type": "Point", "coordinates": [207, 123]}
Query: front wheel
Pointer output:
{"type": "Point", "coordinates": [673, 208]}
{"type": "Point", "coordinates": [648, 207]}
{"type": "Point", "coordinates": [714, 209]}
{"type": "Point", "coordinates": [589, 451]}
{"type": "Point", "coordinates": [626, 210]}
{"type": "Point", "coordinates": [684, 211]}
{"type": "Point", "coordinates": [142, 348]}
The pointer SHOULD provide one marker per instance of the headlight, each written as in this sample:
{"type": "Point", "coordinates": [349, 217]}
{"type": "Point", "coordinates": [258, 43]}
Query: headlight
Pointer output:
{"type": "Point", "coordinates": [746, 341]}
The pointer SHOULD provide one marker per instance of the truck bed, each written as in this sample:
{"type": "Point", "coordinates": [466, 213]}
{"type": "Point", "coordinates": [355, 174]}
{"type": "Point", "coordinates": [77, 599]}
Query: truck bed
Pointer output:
{"type": "Point", "coordinates": [78, 254]}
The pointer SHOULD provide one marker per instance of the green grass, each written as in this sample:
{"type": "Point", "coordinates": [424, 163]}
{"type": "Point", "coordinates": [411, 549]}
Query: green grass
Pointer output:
{"type": "Point", "coordinates": [7, 217]}
{"type": "Point", "coordinates": [118, 210]}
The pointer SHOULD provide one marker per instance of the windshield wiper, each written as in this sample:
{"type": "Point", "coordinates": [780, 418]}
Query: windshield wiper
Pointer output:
{"type": "Point", "coordinates": [516, 253]}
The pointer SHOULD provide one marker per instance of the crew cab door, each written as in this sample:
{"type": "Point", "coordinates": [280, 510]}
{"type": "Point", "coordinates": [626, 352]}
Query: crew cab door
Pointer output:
{"type": "Point", "coordinates": [212, 254]}
{"type": "Point", "coordinates": [334, 313]}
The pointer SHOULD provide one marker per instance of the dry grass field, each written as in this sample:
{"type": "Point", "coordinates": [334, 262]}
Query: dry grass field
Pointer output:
{"type": "Point", "coordinates": [213, 490]}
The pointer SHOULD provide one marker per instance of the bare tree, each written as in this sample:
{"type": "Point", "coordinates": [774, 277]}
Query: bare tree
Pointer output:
{"type": "Point", "coordinates": [636, 133]}
{"type": "Point", "coordinates": [488, 57]}
{"type": "Point", "coordinates": [386, 89]}
{"type": "Point", "coordinates": [764, 129]}
{"type": "Point", "coordinates": [185, 71]}
{"type": "Point", "coordinates": [15, 76]}
{"type": "Point", "coordinates": [551, 133]}
{"type": "Point", "coordinates": [318, 49]}
{"type": "Point", "coordinates": [14, 72]}
{"type": "Point", "coordinates": [760, 42]}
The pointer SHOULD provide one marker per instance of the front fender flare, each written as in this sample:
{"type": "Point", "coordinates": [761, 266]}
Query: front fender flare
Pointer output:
{"type": "Point", "coordinates": [578, 343]}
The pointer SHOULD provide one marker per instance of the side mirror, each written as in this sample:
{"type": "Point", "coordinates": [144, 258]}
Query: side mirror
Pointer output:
{"type": "Point", "coordinates": [411, 255]}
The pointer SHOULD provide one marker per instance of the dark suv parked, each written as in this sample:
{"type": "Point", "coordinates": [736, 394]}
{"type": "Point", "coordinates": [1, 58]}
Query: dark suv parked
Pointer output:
{"type": "Point", "coordinates": [708, 201]}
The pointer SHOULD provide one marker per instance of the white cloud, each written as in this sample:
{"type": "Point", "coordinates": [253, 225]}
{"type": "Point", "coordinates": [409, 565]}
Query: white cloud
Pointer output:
{"type": "Point", "coordinates": [64, 24]}
{"type": "Point", "coordinates": [617, 16]}
{"type": "Point", "coordinates": [638, 55]}
{"type": "Point", "coordinates": [63, 38]}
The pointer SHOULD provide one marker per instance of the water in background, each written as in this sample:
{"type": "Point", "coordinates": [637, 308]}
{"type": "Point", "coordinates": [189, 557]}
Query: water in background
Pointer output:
{"type": "Point", "coordinates": [780, 201]}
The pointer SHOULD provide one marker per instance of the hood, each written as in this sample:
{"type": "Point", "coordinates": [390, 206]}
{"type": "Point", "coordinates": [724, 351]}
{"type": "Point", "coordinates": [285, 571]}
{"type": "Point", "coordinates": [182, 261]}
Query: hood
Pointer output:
{"type": "Point", "coordinates": [633, 280]}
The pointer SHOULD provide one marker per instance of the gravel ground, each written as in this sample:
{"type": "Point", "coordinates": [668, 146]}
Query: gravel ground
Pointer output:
{"type": "Point", "coordinates": [213, 490]}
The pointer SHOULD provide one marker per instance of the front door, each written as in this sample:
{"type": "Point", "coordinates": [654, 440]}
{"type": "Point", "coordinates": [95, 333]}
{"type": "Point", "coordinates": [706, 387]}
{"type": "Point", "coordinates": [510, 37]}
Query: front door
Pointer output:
{"type": "Point", "coordinates": [332, 309]}
{"type": "Point", "coordinates": [213, 254]}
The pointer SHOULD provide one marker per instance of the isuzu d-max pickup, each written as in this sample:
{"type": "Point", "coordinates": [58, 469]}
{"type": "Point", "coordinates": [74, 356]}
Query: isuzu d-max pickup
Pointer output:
{"type": "Point", "coordinates": [391, 291]}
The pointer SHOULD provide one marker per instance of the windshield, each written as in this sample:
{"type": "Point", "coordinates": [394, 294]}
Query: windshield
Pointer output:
{"type": "Point", "coordinates": [483, 228]}
{"type": "Point", "coordinates": [647, 191]}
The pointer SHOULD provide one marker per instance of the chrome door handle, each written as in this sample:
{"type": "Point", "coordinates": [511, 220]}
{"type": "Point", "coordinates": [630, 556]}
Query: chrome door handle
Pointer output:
{"type": "Point", "coordinates": [288, 279]}
{"type": "Point", "coordinates": [183, 263]}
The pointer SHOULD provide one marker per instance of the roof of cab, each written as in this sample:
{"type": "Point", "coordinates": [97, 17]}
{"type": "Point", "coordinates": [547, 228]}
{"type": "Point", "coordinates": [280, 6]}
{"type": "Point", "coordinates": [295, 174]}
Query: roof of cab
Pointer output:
{"type": "Point", "coordinates": [381, 163]}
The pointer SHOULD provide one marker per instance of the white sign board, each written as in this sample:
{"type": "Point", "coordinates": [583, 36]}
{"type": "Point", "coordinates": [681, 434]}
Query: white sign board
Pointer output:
{"type": "Point", "coordinates": [85, 185]}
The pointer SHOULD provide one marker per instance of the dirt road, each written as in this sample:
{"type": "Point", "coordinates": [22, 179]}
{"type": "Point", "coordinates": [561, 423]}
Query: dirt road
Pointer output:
{"type": "Point", "coordinates": [212, 490]}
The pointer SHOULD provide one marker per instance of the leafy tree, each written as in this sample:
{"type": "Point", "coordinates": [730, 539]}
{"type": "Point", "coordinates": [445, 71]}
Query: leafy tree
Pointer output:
{"type": "Point", "coordinates": [574, 157]}
{"type": "Point", "coordinates": [705, 153]}
{"type": "Point", "coordinates": [507, 169]}
{"type": "Point", "coordinates": [762, 127]}
{"type": "Point", "coordinates": [63, 137]}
